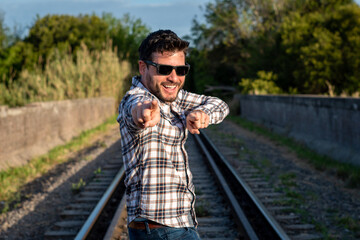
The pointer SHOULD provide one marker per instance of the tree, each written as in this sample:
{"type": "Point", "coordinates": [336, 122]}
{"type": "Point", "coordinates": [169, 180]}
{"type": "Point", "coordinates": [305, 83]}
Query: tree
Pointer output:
{"type": "Point", "coordinates": [311, 46]}
{"type": "Point", "coordinates": [127, 34]}
{"type": "Point", "coordinates": [66, 33]}
{"type": "Point", "coordinates": [325, 45]}
{"type": "Point", "coordinates": [13, 53]}
{"type": "Point", "coordinates": [240, 37]}
{"type": "Point", "coordinates": [3, 33]}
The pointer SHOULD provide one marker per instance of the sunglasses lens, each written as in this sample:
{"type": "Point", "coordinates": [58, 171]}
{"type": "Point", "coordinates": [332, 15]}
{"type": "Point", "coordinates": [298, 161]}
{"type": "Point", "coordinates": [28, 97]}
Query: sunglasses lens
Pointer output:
{"type": "Point", "coordinates": [182, 71]}
{"type": "Point", "coordinates": [165, 70]}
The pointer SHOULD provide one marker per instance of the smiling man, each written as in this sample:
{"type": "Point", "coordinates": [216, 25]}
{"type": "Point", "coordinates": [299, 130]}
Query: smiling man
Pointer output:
{"type": "Point", "coordinates": [155, 116]}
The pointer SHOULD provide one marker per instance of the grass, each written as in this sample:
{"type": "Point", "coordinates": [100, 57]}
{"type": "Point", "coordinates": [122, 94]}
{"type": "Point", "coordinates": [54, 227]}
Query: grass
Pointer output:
{"type": "Point", "coordinates": [347, 172]}
{"type": "Point", "coordinates": [14, 179]}
{"type": "Point", "coordinates": [202, 208]}
{"type": "Point", "coordinates": [349, 223]}
{"type": "Point", "coordinates": [98, 171]}
{"type": "Point", "coordinates": [288, 179]}
{"type": "Point", "coordinates": [77, 187]}
{"type": "Point", "coordinates": [89, 74]}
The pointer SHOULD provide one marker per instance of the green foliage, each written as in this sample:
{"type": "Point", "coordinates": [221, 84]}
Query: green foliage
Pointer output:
{"type": "Point", "coordinates": [48, 35]}
{"type": "Point", "coordinates": [288, 179]}
{"type": "Point", "coordinates": [264, 84]}
{"type": "Point", "coordinates": [93, 74]}
{"type": "Point", "coordinates": [127, 34]}
{"type": "Point", "coordinates": [15, 58]}
{"type": "Point", "coordinates": [311, 46]}
{"type": "Point", "coordinates": [201, 73]}
{"type": "Point", "coordinates": [10, 58]}
{"type": "Point", "coordinates": [98, 171]}
{"type": "Point", "coordinates": [350, 223]}
{"type": "Point", "coordinates": [77, 187]}
{"type": "Point", "coordinates": [65, 32]}
{"type": "Point", "coordinates": [325, 44]}
{"type": "Point", "coordinates": [238, 38]}
{"type": "Point", "coordinates": [66, 57]}
{"type": "Point", "coordinates": [3, 32]}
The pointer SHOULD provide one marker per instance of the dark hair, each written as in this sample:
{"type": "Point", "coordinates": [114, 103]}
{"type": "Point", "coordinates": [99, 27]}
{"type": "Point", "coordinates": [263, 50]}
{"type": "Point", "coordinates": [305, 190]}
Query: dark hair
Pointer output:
{"type": "Point", "coordinates": [161, 41]}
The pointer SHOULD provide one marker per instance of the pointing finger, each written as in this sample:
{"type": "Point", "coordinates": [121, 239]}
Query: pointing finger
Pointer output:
{"type": "Point", "coordinates": [154, 105]}
{"type": "Point", "coordinates": [146, 114]}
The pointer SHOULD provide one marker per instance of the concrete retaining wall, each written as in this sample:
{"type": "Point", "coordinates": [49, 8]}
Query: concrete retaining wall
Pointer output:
{"type": "Point", "coordinates": [33, 130]}
{"type": "Point", "coordinates": [331, 126]}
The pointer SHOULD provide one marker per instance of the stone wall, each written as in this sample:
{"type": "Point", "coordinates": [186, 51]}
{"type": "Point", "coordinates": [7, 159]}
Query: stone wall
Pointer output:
{"type": "Point", "coordinates": [33, 130]}
{"type": "Point", "coordinates": [331, 126]}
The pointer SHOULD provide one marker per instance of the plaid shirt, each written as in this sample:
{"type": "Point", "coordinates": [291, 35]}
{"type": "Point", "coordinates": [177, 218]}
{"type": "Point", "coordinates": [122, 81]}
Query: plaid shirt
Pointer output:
{"type": "Point", "coordinates": [158, 180]}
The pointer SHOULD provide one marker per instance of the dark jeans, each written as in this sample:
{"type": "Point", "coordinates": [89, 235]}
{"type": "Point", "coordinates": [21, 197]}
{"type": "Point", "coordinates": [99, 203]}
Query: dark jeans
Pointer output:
{"type": "Point", "coordinates": [164, 233]}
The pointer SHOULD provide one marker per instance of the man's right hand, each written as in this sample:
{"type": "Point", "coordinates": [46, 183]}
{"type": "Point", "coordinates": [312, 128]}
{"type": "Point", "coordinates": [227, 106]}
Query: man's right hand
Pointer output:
{"type": "Point", "coordinates": [146, 114]}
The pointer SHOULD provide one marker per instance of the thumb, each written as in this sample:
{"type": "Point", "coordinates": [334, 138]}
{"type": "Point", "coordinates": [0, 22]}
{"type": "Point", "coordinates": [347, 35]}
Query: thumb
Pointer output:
{"type": "Point", "coordinates": [193, 117]}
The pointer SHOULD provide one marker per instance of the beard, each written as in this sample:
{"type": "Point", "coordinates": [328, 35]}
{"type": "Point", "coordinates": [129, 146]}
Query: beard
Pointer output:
{"type": "Point", "coordinates": [159, 90]}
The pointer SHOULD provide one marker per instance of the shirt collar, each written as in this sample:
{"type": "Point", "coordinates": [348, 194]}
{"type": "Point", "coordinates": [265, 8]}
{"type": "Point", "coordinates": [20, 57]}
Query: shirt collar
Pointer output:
{"type": "Point", "coordinates": [136, 82]}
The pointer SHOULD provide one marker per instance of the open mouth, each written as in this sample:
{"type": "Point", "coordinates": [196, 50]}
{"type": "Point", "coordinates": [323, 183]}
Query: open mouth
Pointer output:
{"type": "Point", "coordinates": [169, 88]}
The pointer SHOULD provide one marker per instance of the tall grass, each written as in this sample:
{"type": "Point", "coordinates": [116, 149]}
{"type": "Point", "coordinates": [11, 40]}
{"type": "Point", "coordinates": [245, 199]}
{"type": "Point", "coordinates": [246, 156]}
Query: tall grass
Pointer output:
{"type": "Point", "coordinates": [89, 74]}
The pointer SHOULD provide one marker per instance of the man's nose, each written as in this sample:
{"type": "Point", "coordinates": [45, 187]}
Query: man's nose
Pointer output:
{"type": "Point", "coordinates": [173, 76]}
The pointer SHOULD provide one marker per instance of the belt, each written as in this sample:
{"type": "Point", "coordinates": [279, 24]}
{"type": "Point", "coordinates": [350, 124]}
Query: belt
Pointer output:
{"type": "Point", "coordinates": [141, 225]}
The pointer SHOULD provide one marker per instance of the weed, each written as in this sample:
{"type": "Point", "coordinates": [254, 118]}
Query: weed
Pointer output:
{"type": "Point", "coordinates": [266, 163]}
{"type": "Point", "coordinates": [98, 171]}
{"type": "Point", "coordinates": [202, 208]}
{"type": "Point", "coordinates": [77, 187]}
{"type": "Point", "coordinates": [294, 195]}
{"type": "Point", "coordinates": [102, 144]}
{"type": "Point", "coordinates": [288, 179]}
{"type": "Point", "coordinates": [349, 223]}
{"type": "Point", "coordinates": [88, 158]}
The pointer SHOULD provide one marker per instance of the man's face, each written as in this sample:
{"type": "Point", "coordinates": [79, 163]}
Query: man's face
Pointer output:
{"type": "Point", "coordinates": [166, 88]}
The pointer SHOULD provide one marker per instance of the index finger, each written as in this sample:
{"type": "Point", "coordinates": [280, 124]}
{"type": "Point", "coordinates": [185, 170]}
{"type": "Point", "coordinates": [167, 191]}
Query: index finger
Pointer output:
{"type": "Point", "coordinates": [154, 105]}
{"type": "Point", "coordinates": [146, 105]}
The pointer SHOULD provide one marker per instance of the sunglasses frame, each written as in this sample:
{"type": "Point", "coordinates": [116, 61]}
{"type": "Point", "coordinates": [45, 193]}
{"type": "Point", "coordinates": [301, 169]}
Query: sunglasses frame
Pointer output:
{"type": "Point", "coordinates": [172, 67]}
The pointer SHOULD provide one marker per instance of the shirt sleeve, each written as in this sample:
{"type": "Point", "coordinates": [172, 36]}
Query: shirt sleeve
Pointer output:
{"type": "Point", "coordinates": [212, 106]}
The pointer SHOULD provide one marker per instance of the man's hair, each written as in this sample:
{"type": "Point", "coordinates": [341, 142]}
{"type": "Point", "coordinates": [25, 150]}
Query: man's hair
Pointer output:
{"type": "Point", "coordinates": [161, 41]}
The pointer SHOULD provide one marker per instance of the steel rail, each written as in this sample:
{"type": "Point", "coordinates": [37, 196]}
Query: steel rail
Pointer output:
{"type": "Point", "coordinates": [91, 220]}
{"type": "Point", "coordinates": [246, 226]}
{"type": "Point", "coordinates": [278, 231]}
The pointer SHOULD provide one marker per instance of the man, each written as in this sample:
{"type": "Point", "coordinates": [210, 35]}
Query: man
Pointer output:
{"type": "Point", "coordinates": [155, 116]}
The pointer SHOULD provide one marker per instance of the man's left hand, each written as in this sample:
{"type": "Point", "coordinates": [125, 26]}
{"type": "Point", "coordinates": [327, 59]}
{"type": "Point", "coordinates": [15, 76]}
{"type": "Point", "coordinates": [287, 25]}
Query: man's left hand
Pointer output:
{"type": "Point", "coordinates": [197, 120]}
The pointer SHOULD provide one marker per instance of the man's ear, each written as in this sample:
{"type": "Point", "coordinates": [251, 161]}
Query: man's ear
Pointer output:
{"type": "Point", "coordinates": [142, 67]}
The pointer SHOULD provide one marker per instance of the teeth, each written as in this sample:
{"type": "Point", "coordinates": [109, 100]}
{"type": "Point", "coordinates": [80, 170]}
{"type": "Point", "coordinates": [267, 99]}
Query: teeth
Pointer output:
{"type": "Point", "coordinates": [169, 86]}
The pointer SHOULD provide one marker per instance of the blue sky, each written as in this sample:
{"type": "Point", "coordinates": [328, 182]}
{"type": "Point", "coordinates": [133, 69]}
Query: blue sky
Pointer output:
{"type": "Point", "coordinates": [157, 14]}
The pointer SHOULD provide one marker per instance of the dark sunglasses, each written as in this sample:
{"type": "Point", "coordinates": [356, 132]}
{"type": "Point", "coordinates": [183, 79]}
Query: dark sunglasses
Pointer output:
{"type": "Point", "coordinates": [167, 69]}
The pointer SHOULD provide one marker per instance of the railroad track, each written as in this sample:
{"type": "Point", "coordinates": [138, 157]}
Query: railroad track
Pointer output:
{"type": "Point", "coordinates": [91, 212]}
{"type": "Point", "coordinates": [278, 204]}
{"type": "Point", "coordinates": [226, 206]}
